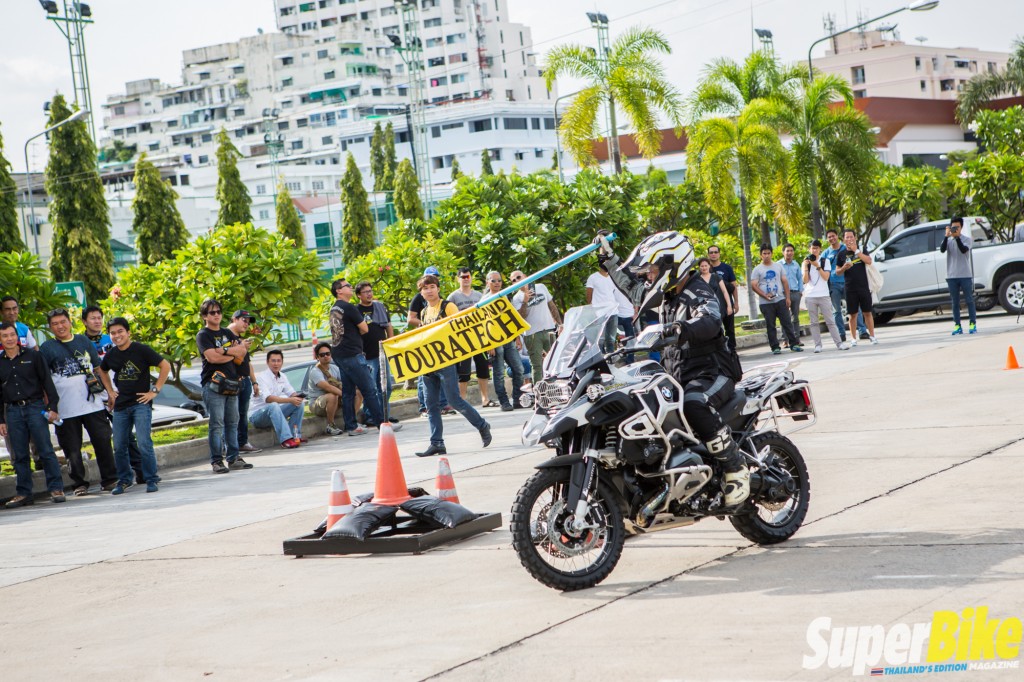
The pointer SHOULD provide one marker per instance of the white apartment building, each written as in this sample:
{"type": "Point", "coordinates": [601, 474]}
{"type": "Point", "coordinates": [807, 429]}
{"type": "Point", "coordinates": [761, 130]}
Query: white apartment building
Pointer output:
{"type": "Point", "coordinates": [878, 64]}
{"type": "Point", "coordinates": [316, 93]}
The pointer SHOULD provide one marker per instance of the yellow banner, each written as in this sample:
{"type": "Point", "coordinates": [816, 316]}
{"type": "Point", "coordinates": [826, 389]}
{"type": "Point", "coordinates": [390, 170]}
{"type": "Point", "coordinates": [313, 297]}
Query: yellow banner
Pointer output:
{"type": "Point", "coordinates": [453, 339]}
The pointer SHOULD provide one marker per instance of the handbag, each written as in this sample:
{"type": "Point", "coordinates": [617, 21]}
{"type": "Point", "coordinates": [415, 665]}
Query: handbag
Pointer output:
{"type": "Point", "coordinates": [225, 386]}
{"type": "Point", "coordinates": [875, 279]}
{"type": "Point", "coordinates": [93, 383]}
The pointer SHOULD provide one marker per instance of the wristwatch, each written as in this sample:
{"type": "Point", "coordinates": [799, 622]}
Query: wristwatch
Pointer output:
{"type": "Point", "coordinates": [223, 350]}
{"type": "Point", "coordinates": [155, 389]}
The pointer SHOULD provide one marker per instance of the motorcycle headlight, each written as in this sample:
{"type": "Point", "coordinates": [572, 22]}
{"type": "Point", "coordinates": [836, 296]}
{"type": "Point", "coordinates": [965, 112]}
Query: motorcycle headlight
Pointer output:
{"type": "Point", "coordinates": [594, 392]}
{"type": "Point", "coordinates": [552, 393]}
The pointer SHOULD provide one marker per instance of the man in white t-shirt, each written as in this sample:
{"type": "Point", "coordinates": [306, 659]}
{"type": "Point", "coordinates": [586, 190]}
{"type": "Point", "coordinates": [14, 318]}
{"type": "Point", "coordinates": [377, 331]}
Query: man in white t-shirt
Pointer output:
{"type": "Point", "coordinates": [816, 271]}
{"type": "Point", "coordinates": [602, 293]}
{"type": "Point", "coordinates": [538, 309]}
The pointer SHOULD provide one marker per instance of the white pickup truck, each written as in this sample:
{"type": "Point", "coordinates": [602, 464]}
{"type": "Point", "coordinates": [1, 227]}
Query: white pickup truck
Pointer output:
{"type": "Point", "coordinates": [915, 270]}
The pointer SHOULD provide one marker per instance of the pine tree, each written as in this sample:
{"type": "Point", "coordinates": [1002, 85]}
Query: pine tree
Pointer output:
{"type": "Point", "coordinates": [289, 225]}
{"type": "Point", "coordinates": [78, 210]}
{"type": "Point", "coordinates": [407, 195]}
{"type": "Point", "coordinates": [390, 161]}
{"type": "Point", "coordinates": [456, 171]}
{"type": "Point", "coordinates": [358, 235]}
{"type": "Point", "coordinates": [158, 226]}
{"type": "Point", "coordinates": [485, 163]}
{"type": "Point", "coordinates": [10, 238]}
{"type": "Point", "coordinates": [232, 194]}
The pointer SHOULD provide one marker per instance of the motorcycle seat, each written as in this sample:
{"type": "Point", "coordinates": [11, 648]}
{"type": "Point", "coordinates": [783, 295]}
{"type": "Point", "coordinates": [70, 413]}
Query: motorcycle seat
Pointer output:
{"type": "Point", "coordinates": [732, 408]}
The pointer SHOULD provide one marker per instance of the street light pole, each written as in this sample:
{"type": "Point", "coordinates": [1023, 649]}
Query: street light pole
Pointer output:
{"type": "Point", "coordinates": [72, 26]}
{"type": "Point", "coordinates": [558, 136]}
{"type": "Point", "coordinates": [916, 6]}
{"type": "Point", "coordinates": [81, 113]}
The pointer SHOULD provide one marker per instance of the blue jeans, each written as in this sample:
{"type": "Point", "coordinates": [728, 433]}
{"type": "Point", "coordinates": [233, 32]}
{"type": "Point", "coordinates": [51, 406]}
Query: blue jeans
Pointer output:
{"type": "Point", "coordinates": [223, 413]}
{"type": "Point", "coordinates": [503, 355]}
{"type": "Point", "coordinates": [141, 417]}
{"type": "Point", "coordinates": [373, 365]}
{"type": "Point", "coordinates": [964, 285]}
{"type": "Point", "coordinates": [354, 374]}
{"type": "Point", "coordinates": [244, 398]}
{"type": "Point", "coordinates": [449, 379]}
{"type": "Point", "coordinates": [420, 395]}
{"type": "Point", "coordinates": [284, 417]}
{"type": "Point", "coordinates": [23, 423]}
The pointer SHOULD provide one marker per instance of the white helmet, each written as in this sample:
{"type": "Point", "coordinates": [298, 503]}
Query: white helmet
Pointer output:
{"type": "Point", "coordinates": [673, 255]}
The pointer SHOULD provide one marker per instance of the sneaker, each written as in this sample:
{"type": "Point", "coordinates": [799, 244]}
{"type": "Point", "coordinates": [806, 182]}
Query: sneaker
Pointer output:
{"type": "Point", "coordinates": [843, 346]}
{"type": "Point", "coordinates": [121, 487]}
{"type": "Point", "coordinates": [797, 348]}
{"type": "Point", "coordinates": [874, 341]}
{"type": "Point", "coordinates": [239, 463]}
{"type": "Point", "coordinates": [423, 413]}
{"type": "Point", "coordinates": [485, 435]}
{"type": "Point", "coordinates": [333, 430]}
{"type": "Point", "coordinates": [395, 427]}
{"type": "Point", "coordinates": [249, 447]}
{"type": "Point", "coordinates": [973, 329]}
{"type": "Point", "coordinates": [776, 351]}
{"type": "Point", "coordinates": [107, 487]}
{"type": "Point", "coordinates": [817, 349]}
{"type": "Point", "coordinates": [448, 411]}
{"type": "Point", "coordinates": [358, 431]}
{"type": "Point", "coordinates": [57, 496]}
{"type": "Point", "coordinates": [81, 491]}
{"type": "Point", "coordinates": [957, 330]}
{"type": "Point", "coordinates": [506, 408]}
{"type": "Point", "coordinates": [736, 487]}
{"type": "Point", "coordinates": [290, 443]}
{"type": "Point", "coordinates": [152, 487]}
{"type": "Point", "coordinates": [219, 468]}
{"type": "Point", "coordinates": [864, 336]}
{"type": "Point", "coordinates": [19, 501]}
{"type": "Point", "coordinates": [853, 343]}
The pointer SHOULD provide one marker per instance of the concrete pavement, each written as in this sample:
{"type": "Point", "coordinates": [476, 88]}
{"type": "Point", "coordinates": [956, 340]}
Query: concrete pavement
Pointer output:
{"type": "Point", "coordinates": [914, 464]}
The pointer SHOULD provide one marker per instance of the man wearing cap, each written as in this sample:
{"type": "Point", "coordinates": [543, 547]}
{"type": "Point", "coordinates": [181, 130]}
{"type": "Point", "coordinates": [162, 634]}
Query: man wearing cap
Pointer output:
{"type": "Point", "coordinates": [240, 322]}
{"type": "Point", "coordinates": [416, 307]}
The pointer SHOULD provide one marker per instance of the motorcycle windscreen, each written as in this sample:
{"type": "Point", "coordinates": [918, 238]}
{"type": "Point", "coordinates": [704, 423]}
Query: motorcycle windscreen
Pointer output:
{"type": "Point", "coordinates": [585, 330]}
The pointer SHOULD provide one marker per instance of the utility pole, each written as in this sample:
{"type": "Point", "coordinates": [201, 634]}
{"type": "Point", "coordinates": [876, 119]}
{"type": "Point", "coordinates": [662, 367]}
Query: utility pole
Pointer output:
{"type": "Point", "coordinates": [274, 142]}
{"type": "Point", "coordinates": [411, 52]}
{"type": "Point", "coordinates": [71, 24]}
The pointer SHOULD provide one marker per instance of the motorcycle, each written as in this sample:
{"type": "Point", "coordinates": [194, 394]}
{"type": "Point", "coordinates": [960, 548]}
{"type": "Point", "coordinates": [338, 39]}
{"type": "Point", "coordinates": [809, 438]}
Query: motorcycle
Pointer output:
{"type": "Point", "coordinates": [627, 462]}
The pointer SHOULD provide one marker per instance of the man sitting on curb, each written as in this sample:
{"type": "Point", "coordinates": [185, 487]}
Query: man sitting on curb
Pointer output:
{"type": "Point", "coordinates": [277, 404]}
{"type": "Point", "coordinates": [323, 388]}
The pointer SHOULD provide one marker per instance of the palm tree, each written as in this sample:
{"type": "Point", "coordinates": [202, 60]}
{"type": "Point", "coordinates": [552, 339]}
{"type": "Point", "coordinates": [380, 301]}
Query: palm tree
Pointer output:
{"type": "Point", "coordinates": [628, 77]}
{"type": "Point", "coordinates": [736, 156]}
{"type": "Point", "coordinates": [726, 88]}
{"type": "Point", "coordinates": [988, 86]}
{"type": "Point", "coordinates": [832, 153]}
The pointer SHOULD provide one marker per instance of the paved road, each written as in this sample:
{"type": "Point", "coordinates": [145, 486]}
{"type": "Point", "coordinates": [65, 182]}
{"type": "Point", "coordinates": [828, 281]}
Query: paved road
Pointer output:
{"type": "Point", "coordinates": [915, 466]}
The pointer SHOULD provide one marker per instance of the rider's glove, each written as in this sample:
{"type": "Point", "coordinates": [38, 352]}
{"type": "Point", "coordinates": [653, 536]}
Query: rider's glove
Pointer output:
{"type": "Point", "coordinates": [605, 250]}
{"type": "Point", "coordinates": [678, 330]}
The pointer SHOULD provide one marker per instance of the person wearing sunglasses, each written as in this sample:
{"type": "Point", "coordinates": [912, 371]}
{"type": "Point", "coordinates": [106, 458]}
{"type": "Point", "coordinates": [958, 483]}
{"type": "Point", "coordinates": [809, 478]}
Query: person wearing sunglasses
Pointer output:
{"type": "Point", "coordinates": [323, 387]}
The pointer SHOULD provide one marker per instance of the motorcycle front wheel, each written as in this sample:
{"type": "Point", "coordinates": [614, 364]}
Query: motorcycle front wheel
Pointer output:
{"type": "Point", "coordinates": [549, 550]}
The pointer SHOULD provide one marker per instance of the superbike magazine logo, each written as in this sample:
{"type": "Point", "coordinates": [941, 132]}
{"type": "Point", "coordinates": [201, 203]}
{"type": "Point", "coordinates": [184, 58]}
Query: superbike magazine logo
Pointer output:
{"type": "Point", "coordinates": [951, 642]}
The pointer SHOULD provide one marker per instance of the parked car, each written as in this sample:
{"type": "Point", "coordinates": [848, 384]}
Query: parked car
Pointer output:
{"type": "Point", "coordinates": [915, 270]}
{"type": "Point", "coordinates": [172, 396]}
{"type": "Point", "coordinates": [164, 415]}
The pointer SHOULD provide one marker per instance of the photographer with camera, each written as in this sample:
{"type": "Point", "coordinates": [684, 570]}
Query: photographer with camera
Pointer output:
{"type": "Point", "coordinates": [816, 271]}
{"type": "Point", "coordinates": [72, 360]}
{"type": "Point", "coordinates": [960, 274]}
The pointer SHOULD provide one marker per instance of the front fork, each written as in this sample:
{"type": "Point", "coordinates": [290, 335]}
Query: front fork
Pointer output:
{"type": "Point", "coordinates": [582, 481]}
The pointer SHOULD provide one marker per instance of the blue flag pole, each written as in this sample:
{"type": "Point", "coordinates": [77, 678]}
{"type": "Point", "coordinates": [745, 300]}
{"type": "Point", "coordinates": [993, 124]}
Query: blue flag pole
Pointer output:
{"type": "Point", "coordinates": [544, 271]}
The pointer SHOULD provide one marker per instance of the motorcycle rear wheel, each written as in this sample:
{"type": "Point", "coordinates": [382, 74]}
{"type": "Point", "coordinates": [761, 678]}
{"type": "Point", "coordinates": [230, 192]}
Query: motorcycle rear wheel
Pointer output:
{"type": "Point", "coordinates": [770, 523]}
{"type": "Point", "coordinates": [552, 556]}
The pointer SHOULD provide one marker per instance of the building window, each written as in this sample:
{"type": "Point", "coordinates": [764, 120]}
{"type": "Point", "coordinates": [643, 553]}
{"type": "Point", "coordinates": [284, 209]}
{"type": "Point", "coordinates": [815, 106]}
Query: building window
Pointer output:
{"type": "Point", "coordinates": [293, 186]}
{"type": "Point", "coordinates": [433, 42]}
{"type": "Point", "coordinates": [327, 140]}
{"type": "Point", "coordinates": [519, 156]}
{"type": "Point", "coordinates": [857, 75]}
{"type": "Point", "coordinates": [924, 86]}
{"type": "Point", "coordinates": [549, 123]}
{"type": "Point", "coordinates": [285, 11]}
{"type": "Point", "coordinates": [321, 54]}
{"type": "Point", "coordinates": [261, 189]}
{"type": "Point", "coordinates": [301, 122]}
{"type": "Point", "coordinates": [458, 78]}
{"type": "Point", "coordinates": [992, 66]}
{"type": "Point", "coordinates": [510, 95]}
{"type": "Point", "coordinates": [307, 7]}
{"type": "Point", "coordinates": [515, 124]}
{"type": "Point", "coordinates": [376, 92]}
{"type": "Point", "coordinates": [431, 23]}
{"type": "Point", "coordinates": [287, 61]}
{"type": "Point", "coordinates": [118, 111]}
{"type": "Point", "coordinates": [480, 126]}
{"type": "Point", "coordinates": [318, 185]}
{"type": "Point", "coordinates": [538, 153]}
{"type": "Point", "coordinates": [328, 75]}
{"type": "Point", "coordinates": [439, 81]}
{"type": "Point", "coordinates": [455, 38]}
{"type": "Point", "coordinates": [296, 144]}
{"type": "Point", "coordinates": [435, 61]}
{"type": "Point", "coordinates": [204, 159]}
{"type": "Point", "coordinates": [451, 126]}
{"type": "Point", "coordinates": [207, 137]}
{"type": "Point", "coordinates": [860, 93]}
{"type": "Point", "coordinates": [535, 123]}
{"type": "Point", "coordinates": [322, 235]}
{"type": "Point", "coordinates": [264, 214]}
{"type": "Point", "coordinates": [184, 180]}
{"type": "Point", "coordinates": [286, 82]}
{"type": "Point", "coordinates": [947, 85]}
{"type": "Point", "coordinates": [917, 63]}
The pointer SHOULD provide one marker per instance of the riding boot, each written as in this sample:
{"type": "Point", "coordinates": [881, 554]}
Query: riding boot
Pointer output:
{"type": "Point", "coordinates": [736, 479]}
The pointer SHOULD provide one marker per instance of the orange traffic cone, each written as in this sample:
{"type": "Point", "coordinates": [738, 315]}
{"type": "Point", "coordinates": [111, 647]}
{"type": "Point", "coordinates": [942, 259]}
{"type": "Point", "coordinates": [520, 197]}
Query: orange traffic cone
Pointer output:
{"type": "Point", "coordinates": [339, 504]}
{"type": "Point", "coordinates": [1011, 360]}
{"type": "Point", "coordinates": [445, 484]}
{"type": "Point", "coordinates": [390, 488]}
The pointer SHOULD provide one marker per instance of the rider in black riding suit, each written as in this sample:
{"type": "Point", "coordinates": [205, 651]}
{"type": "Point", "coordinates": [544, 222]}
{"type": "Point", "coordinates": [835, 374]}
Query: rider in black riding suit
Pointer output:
{"type": "Point", "coordinates": [697, 355]}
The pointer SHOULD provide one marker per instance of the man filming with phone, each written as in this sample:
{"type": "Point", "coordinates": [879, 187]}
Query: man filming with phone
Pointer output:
{"type": "Point", "coordinates": [959, 273]}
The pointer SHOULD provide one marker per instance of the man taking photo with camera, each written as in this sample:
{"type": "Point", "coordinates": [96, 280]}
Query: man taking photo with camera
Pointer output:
{"type": "Point", "coordinates": [960, 273]}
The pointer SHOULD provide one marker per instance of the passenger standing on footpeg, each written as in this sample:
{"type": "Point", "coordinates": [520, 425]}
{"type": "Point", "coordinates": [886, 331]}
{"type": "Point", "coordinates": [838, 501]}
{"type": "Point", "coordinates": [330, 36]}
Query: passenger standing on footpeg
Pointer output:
{"type": "Point", "coordinates": [659, 275]}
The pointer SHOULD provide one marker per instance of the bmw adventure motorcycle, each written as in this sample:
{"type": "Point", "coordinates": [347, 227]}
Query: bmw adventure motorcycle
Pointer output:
{"type": "Point", "coordinates": [627, 462]}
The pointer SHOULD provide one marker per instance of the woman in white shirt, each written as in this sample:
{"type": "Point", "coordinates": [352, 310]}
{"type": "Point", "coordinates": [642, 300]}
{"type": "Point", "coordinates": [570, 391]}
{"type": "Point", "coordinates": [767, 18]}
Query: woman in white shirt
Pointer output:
{"type": "Point", "coordinates": [816, 271]}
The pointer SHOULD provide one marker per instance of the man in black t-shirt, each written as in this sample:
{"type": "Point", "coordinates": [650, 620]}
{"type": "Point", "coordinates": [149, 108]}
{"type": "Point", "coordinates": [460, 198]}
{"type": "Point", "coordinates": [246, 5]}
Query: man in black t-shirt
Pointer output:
{"type": "Point", "coordinates": [218, 347]}
{"type": "Point", "coordinates": [347, 329]}
{"type": "Point", "coordinates": [858, 292]}
{"type": "Point", "coordinates": [378, 328]}
{"type": "Point", "coordinates": [132, 401]}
